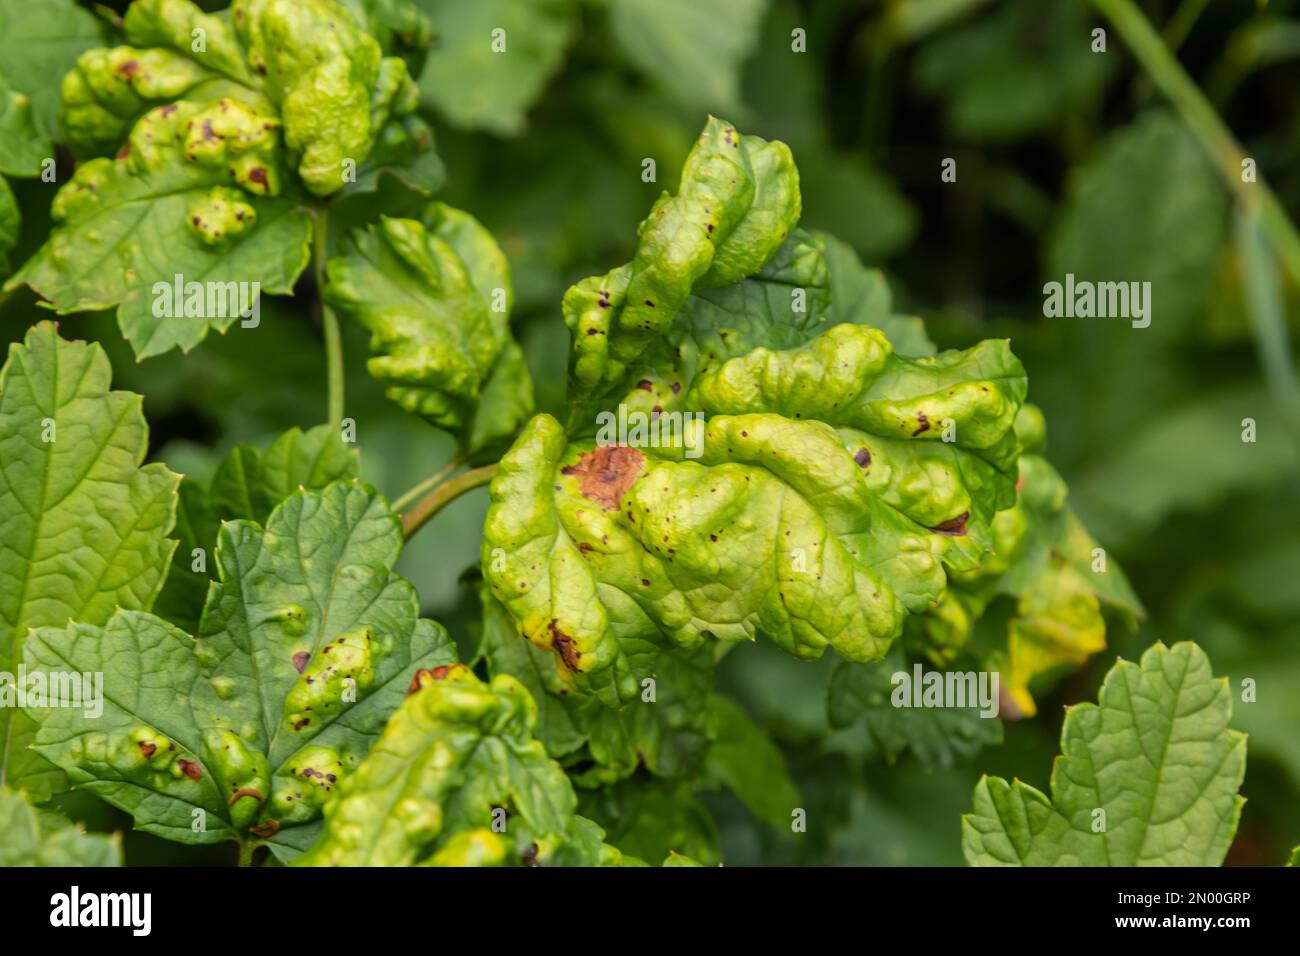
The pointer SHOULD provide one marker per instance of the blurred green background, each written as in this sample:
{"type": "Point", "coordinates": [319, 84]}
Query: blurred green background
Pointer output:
{"type": "Point", "coordinates": [1068, 160]}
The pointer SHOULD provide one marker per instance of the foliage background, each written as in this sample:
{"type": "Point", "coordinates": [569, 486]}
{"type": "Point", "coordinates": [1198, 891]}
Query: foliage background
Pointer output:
{"type": "Point", "coordinates": [1068, 161]}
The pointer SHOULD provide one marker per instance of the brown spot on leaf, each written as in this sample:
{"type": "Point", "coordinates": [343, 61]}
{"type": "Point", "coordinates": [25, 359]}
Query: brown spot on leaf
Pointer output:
{"type": "Point", "coordinates": [923, 424]}
{"type": "Point", "coordinates": [424, 676]}
{"type": "Point", "coordinates": [863, 458]}
{"type": "Point", "coordinates": [266, 829]}
{"type": "Point", "coordinates": [606, 473]}
{"type": "Point", "coordinates": [953, 527]}
{"type": "Point", "coordinates": [147, 749]}
{"type": "Point", "coordinates": [565, 647]}
{"type": "Point", "coordinates": [129, 68]}
{"type": "Point", "coordinates": [190, 768]}
{"type": "Point", "coordinates": [257, 175]}
{"type": "Point", "coordinates": [300, 660]}
{"type": "Point", "coordinates": [645, 385]}
{"type": "Point", "coordinates": [246, 792]}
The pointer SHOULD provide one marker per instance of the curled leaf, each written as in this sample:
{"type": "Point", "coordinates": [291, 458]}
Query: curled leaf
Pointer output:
{"type": "Point", "coordinates": [436, 297]}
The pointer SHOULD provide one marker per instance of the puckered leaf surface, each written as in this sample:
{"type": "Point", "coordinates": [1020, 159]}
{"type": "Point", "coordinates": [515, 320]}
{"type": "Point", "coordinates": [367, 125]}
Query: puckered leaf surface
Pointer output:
{"type": "Point", "coordinates": [308, 642]}
{"type": "Point", "coordinates": [456, 751]}
{"type": "Point", "coordinates": [606, 554]}
{"type": "Point", "coordinates": [83, 527]}
{"type": "Point", "coordinates": [220, 144]}
{"type": "Point", "coordinates": [29, 837]}
{"type": "Point", "coordinates": [737, 201]}
{"type": "Point", "coordinates": [1147, 777]}
{"type": "Point", "coordinates": [435, 296]}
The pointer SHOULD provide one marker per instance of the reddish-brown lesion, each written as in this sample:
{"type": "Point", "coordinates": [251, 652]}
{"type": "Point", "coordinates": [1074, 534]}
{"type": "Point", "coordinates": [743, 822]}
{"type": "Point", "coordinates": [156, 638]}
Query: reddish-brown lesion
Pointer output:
{"type": "Point", "coordinates": [953, 527]}
{"type": "Point", "coordinates": [565, 647]}
{"type": "Point", "coordinates": [425, 675]}
{"type": "Point", "coordinates": [606, 473]}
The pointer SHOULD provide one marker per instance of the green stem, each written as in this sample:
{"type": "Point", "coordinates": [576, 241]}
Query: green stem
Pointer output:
{"type": "Point", "coordinates": [1215, 138]}
{"type": "Point", "coordinates": [246, 852]}
{"type": "Point", "coordinates": [443, 495]}
{"type": "Point", "coordinates": [329, 321]}
{"type": "Point", "coordinates": [404, 501]}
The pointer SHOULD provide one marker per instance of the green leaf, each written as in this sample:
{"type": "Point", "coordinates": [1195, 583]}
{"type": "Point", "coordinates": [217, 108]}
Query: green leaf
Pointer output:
{"type": "Point", "coordinates": [307, 643]}
{"type": "Point", "coordinates": [10, 224]}
{"type": "Point", "coordinates": [224, 146]}
{"type": "Point", "coordinates": [32, 838]}
{"type": "Point", "coordinates": [39, 43]}
{"type": "Point", "coordinates": [861, 296]}
{"type": "Point", "coordinates": [1059, 577]}
{"type": "Point", "coordinates": [436, 298]}
{"type": "Point", "coordinates": [83, 527]}
{"type": "Point", "coordinates": [453, 752]}
{"type": "Point", "coordinates": [247, 484]}
{"type": "Point", "coordinates": [860, 696]}
{"type": "Point", "coordinates": [1154, 756]}
{"type": "Point", "coordinates": [1024, 66]}
{"type": "Point", "coordinates": [653, 820]}
{"type": "Point", "coordinates": [737, 201]}
{"type": "Point", "coordinates": [746, 760]}
{"type": "Point", "coordinates": [508, 653]}
{"type": "Point", "coordinates": [21, 147]}
{"type": "Point", "coordinates": [694, 51]}
{"type": "Point", "coordinates": [480, 79]}
{"type": "Point", "coordinates": [608, 554]}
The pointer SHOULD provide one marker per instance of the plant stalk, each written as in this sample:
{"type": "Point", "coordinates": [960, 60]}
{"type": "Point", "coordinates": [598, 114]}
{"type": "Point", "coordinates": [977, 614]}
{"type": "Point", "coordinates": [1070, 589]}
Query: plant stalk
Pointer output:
{"type": "Point", "coordinates": [443, 495]}
{"type": "Point", "coordinates": [329, 321]}
{"type": "Point", "coordinates": [404, 501]}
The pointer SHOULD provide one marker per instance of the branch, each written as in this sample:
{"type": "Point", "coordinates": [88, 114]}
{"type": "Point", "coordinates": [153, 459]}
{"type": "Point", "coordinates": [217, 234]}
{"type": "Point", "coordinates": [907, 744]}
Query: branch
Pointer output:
{"type": "Point", "coordinates": [443, 495]}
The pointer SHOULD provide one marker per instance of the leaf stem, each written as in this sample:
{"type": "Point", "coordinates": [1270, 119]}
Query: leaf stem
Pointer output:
{"type": "Point", "coordinates": [443, 495]}
{"type": "Point", "coordinates": [1215, 138]}
{"type": "Point", "coordinates": [329, 321]}
{"type": "Point", "coordinates": [404, 501]}
{"type": "Point", "coordinates": [246, 852]}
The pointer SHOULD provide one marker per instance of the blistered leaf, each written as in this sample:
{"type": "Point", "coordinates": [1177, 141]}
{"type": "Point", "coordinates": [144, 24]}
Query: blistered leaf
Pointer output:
{"type": "Point", "coordinates": [225, 140]}
{"type": "Point", "coordinates": [1147, 777]}
{"type": "Point", "coordinates": [247, 484]}
{"type": "Point", "coordinates": [609, 553]}
{"type": "Point", "coordinates": [1060, 578]}
{"type": "Point", "coordinates": [737, 201]}
{"type": "Point", "coordinates": [436, 297]}
{"type": "Point", "coordinates": [492, 58]}
{"type": "Point", "coordinates": [455, 751]}
{"type": "Point", "coordinates": [307, 643]}
{"type": "Point", "coordinates": [694, 51]}
{"type": "Point", "coordinates": [83, 527]}
{"type": "Point", "coordinates": [32, 838]}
